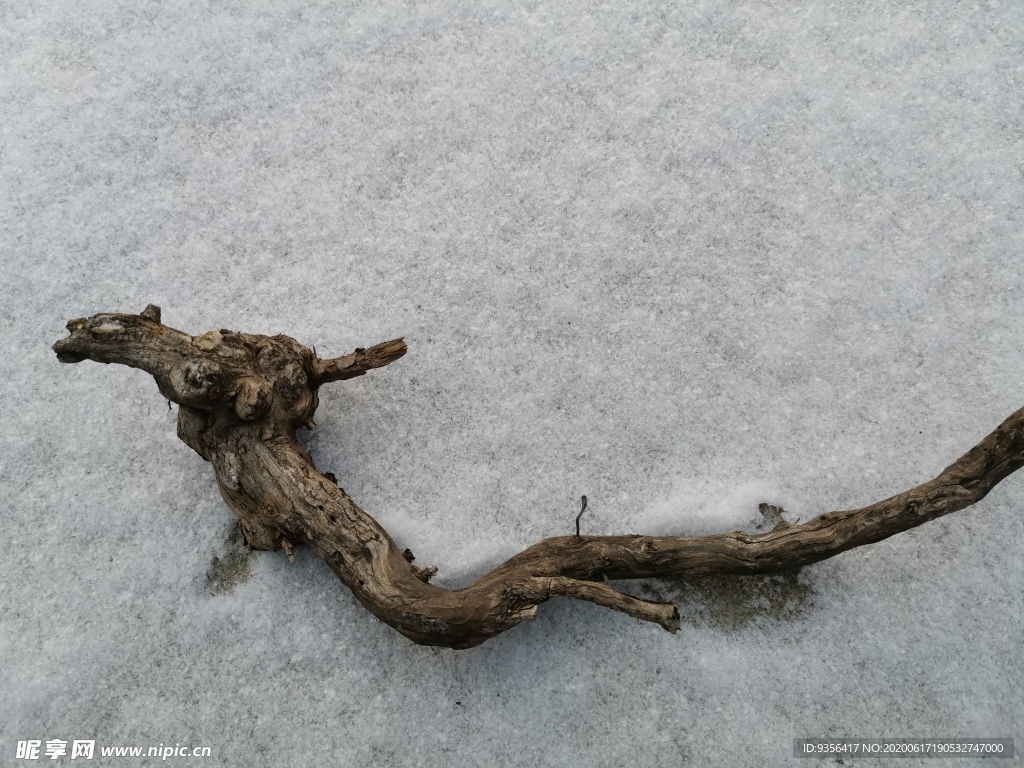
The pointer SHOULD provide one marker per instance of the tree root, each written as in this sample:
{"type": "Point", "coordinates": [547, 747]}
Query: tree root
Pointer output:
{"type": "Point", "coordinates": [241, 398]}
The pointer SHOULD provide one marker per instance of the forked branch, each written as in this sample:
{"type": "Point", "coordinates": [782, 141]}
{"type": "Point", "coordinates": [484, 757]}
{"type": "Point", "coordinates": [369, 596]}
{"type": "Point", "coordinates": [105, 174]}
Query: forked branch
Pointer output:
{"type": "Point", "coordinates": [243, 396]}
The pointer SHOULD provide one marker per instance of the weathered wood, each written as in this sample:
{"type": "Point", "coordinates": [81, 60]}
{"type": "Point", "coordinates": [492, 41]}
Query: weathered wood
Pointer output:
{"type": "Point", "coordinates": [243, 396]}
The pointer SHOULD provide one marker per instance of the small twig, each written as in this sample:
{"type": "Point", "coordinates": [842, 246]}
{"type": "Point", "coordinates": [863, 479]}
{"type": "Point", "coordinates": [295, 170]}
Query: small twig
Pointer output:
{"type": "Point", "coordinates": [582, 510]}
{"type": "Point", "coordinates": [357, 363]}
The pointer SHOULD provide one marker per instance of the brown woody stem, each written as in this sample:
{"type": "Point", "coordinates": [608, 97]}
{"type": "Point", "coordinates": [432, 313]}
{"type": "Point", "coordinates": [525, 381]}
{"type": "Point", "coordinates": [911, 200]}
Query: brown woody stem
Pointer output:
{"type": "Point", "coordinates": [242, 397]}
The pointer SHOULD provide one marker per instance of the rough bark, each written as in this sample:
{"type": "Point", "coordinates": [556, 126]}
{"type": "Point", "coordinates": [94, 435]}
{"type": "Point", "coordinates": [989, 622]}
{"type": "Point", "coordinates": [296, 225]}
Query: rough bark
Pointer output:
{"type": "Point", "coordinates": [243, 396]}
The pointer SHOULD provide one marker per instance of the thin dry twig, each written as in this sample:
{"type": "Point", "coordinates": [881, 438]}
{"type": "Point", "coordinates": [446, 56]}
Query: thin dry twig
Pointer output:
{"type": "Point", "coordinates": [583, 508]}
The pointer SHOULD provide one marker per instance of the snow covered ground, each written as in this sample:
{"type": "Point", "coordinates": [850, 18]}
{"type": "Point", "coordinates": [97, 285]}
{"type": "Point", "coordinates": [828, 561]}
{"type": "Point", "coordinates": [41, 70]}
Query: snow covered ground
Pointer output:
{"type": "Point", "coordinates": [682, 258]}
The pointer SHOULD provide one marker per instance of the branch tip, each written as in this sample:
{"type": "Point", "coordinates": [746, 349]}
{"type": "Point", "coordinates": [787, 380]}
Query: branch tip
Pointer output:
{"type": "Point", "coordinates": [357, 363]}
{"type": "Point", "coordinates": [663, 614]}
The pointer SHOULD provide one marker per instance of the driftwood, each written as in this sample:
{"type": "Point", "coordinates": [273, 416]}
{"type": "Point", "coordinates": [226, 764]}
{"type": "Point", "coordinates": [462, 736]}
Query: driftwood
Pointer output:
{"type": "Point", "coordinates": [241, 398]}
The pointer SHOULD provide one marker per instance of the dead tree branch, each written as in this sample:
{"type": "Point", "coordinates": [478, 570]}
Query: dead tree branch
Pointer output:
{"type": "Point", "coordinates": [243, 396]}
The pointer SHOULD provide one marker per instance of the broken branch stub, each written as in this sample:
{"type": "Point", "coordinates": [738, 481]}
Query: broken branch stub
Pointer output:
{"type": "Point", "coordinates": [241, 398]}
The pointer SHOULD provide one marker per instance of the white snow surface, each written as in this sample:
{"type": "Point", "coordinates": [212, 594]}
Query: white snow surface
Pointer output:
{"type": "Point", "coordinates": [682, 258]}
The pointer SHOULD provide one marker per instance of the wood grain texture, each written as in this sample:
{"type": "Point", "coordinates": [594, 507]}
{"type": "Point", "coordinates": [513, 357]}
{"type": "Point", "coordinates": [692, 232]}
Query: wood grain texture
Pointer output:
{"type": "Point", "coordinates": [242, 397]}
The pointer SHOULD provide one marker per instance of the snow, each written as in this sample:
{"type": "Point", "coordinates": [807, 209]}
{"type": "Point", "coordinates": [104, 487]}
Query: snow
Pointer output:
{"type": "Point", "coordinates": [681, 258]}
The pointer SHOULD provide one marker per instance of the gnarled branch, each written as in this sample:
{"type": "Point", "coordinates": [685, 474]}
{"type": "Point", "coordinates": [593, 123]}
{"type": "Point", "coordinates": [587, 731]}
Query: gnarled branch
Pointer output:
{"type": "Point", "coordinates": [242, 397]}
